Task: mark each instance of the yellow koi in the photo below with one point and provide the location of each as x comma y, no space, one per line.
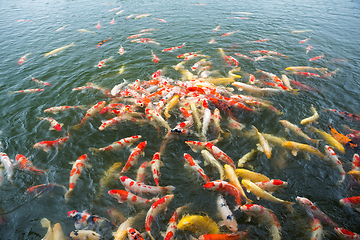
198,224
311,119
329,139
54,52
252,176
295,147
247,157
172,103
264,145
233,179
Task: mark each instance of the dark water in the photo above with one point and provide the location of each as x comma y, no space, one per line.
334,32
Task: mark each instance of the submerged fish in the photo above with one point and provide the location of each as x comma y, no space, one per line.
56,51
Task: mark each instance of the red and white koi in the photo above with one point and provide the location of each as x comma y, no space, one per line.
206,120
152,114
141,172
225,187
187,54
231,60
154,210
134,156
353,202
161,20
138,35
30,90
265,216
102,62
23,59
307,74
243,56
134,234
346,234
57,109
131,199
26,164
305,40
272,185
308,49
317,229
195,167
46,145
118,145
121,50
114,9
229,33
212,41
355,166
137,187
90,113
260,40
54,125
76,170
170,231
155,167
173,48
197,145
155,58
216,29
314,211
271,76
6,161
40,82
333,160
219,154
148,30
227,216
145,40
42,188
316,58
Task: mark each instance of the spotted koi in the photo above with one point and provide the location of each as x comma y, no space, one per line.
137,187
134,156
76,170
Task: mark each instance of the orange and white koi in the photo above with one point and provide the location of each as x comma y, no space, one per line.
57,109
317,229
219,154
172,226
40,82
353,202
154,210
209,159
229,33
308,49
98,25
230,60
216,29
131,199
263,146
46,145
134,156
102,42
265,216
305,40
155,167
296,130
148,30
142,15
102,62
30,90
111,106
141,172
224,236
42,188
137,187
316,58
333,160
314,211
157,118
26,164
341,138
118,145
227,216
114,9
260,40
155,58
145,40
212,41
54,125
270,75
195,167
90,113
272,185
173,48
76,170
134,234
346,234
6,161
23,59
225,187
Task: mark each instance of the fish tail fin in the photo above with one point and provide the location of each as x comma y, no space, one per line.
311,129
289,206
11,92
152,238
72,44
94,150
45,223
76,127
295,91
170,188
68,194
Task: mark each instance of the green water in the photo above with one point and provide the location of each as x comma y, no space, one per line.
334,32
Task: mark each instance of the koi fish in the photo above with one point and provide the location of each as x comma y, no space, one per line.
311,119
172,226
302,41
142,15
155,167
305,68
46,187
90,113
114,9
57,109
54,125
212,41
303,86
265,216
248,156
102,42
341,138
348,115
261,40
121,50
23,59
98,25
225,187
118,145
272,185
252,176
134,234
62,28
56,51
227,216
333,159
346,234
173,48
296,130
243,56
5,160
138,35
154,210
155,58
76,170
40,82
229,33
131,199
84,234
209,159
219,154
216,29
46,145
307,74
135,154
316,58
85,31
314,211
195,167
161,20
31,90
121,233
112,21
328,138
109,176
301,31
85,219
137,187
295,147
308,49
263,144
198,224
26,164
119,12
224,236
353,202
148,30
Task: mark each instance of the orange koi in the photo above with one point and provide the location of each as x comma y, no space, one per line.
341,138
102,42
225,187
346,234
98,25
316,58
225,236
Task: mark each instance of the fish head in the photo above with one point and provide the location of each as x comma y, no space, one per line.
72,213
209,185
